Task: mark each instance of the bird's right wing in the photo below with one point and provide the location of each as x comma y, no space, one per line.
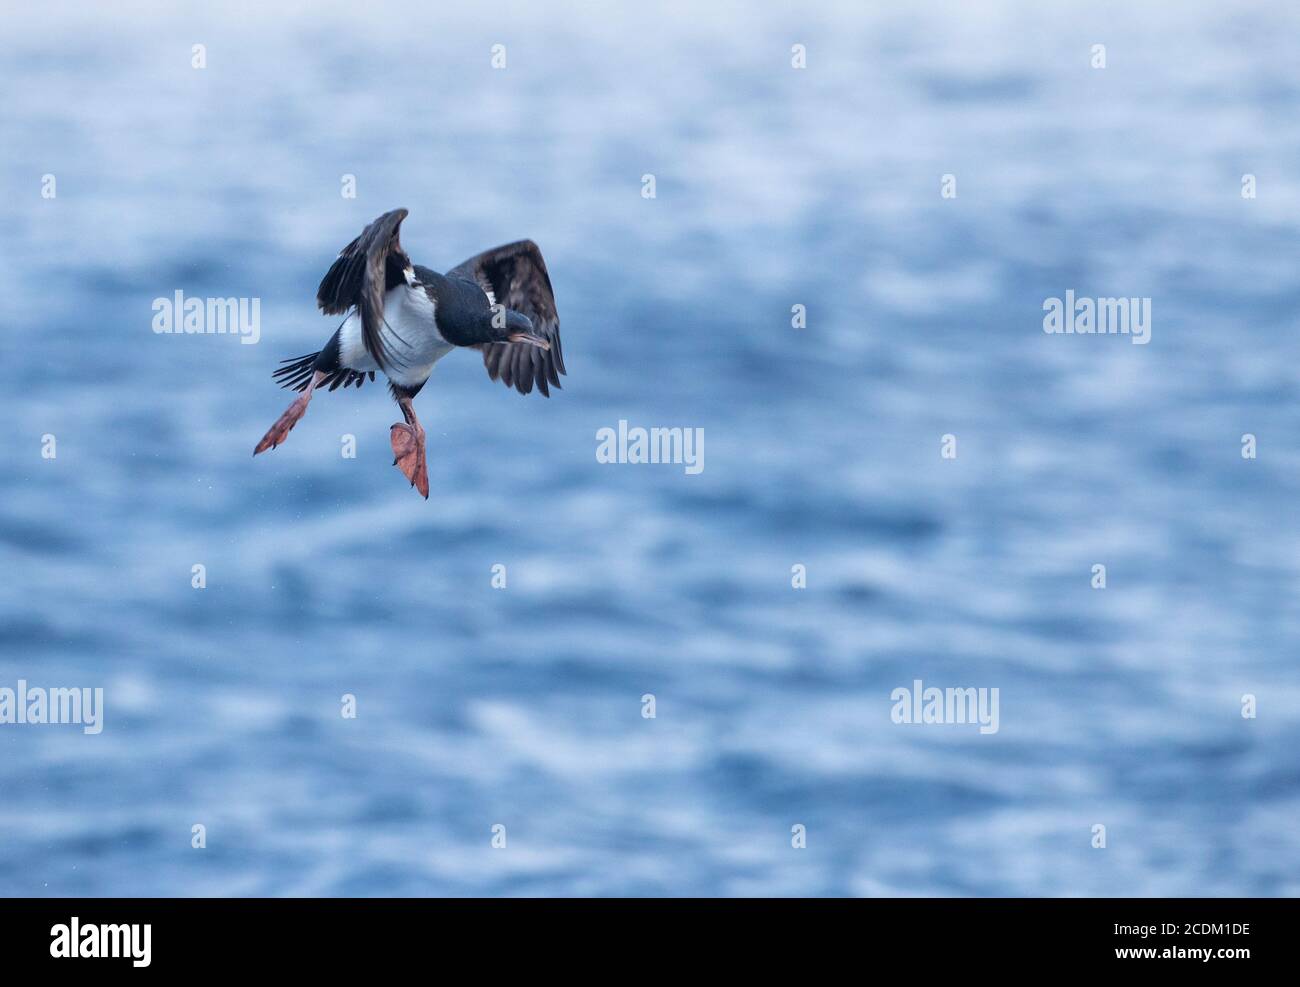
365,271
514,275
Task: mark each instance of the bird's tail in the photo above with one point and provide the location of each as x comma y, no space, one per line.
296,373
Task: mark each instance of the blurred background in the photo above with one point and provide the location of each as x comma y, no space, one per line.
521,706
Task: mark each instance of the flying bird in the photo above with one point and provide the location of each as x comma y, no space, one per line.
403,318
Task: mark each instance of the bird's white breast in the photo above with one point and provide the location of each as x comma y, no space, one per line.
410,334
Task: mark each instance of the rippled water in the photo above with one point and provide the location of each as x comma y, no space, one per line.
522,707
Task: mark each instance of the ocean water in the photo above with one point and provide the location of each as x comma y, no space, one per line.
521,707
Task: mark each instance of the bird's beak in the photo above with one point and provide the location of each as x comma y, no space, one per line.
528,337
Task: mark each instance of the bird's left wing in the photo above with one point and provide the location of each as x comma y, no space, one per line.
515,276
365,271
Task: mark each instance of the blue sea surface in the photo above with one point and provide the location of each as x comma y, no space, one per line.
522,707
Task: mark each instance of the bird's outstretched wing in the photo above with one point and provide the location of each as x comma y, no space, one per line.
365,271
515,276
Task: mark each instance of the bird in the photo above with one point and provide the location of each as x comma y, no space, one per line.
402,318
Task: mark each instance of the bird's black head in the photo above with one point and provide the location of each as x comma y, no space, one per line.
506,323
518,322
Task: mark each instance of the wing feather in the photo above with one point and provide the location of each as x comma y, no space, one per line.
515,275
364,272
